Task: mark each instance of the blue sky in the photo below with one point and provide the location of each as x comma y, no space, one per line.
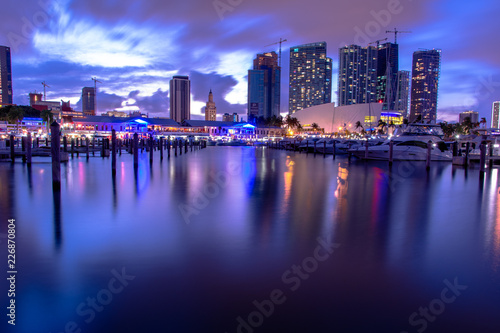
135,47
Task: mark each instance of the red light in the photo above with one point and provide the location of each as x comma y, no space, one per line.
380,101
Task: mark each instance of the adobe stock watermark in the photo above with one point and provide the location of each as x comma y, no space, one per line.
400,172
87,310
209,191
381,19
29,25
292,278
420,319
487,87
225,6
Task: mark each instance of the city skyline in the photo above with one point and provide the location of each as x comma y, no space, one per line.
67,43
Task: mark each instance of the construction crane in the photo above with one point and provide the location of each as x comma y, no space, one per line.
396,32
378,42
45,85
95,93
280,42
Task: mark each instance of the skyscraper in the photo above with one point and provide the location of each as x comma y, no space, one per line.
5,76
310,76
357,75
88,101
180,98
424,85
264,86
210,109
387,75
403,99
495,115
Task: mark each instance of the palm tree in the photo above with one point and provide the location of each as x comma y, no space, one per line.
391,125
315,127
381,125
48,117
483,121
15,115
358,125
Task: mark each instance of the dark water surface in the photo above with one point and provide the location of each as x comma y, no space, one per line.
205,242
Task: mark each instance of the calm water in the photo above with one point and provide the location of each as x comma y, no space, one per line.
202,236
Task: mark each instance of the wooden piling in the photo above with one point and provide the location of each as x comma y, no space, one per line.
482,157
87,148
391,152
72,147
324,148
28,149
161,148
56,155
12,149
136,150
23,148
186,146
168,146
366,149
151,150
429,149
334,148
93,146
466,161
113,152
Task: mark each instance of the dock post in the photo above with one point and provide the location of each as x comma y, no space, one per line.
324,148
175,147
366,149
37,142
113,152
186,146
93,146
180,147
160,145
151,150
334,148
482,157
429,149
72,147
136,150
56,155
168,146
28,149
87,143
65,144
120,146
23,148
455,148
391,152
12,149
491,154
103,148
467,147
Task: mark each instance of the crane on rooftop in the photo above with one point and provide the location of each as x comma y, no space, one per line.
396,32
45,85
281,41
378,42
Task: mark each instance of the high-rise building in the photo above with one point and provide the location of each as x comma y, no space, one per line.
35,98
310,76
472,115
424,85
88,101
403,89
210,109
5,76
495,115
264,84
357,75
180,98
387,75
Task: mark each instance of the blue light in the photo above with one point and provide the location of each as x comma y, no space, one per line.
140,121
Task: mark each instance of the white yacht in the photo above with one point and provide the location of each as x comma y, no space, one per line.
411,145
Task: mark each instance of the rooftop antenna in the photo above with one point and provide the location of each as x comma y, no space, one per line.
95,93
45,85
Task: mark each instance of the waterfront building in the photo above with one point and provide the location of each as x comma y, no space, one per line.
88,101
5,76
387,75
403,89
230,117
472,115
357,80
115,114
334,119
424,85
180,97
210,109
495,115
264,87
310,76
